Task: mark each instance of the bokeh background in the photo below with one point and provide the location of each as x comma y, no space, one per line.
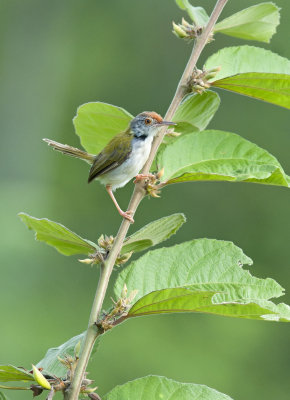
59,54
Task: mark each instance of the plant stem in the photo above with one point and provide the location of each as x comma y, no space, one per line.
138,194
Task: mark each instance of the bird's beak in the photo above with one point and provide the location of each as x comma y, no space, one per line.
167,123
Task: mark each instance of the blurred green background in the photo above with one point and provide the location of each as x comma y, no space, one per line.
59,54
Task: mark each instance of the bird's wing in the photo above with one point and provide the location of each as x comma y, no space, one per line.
113,155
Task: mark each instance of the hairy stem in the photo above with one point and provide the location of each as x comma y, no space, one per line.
138,195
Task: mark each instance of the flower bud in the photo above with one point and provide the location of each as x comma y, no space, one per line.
77,349
185,23
179,31
124,258
94,396
87,261
212,72
91,390
160,173
101,240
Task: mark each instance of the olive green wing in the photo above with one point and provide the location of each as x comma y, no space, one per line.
113,155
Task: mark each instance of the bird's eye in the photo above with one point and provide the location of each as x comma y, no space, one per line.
147,121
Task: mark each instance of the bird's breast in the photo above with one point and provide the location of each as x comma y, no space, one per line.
137,158
131,166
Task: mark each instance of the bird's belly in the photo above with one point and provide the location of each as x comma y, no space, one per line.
130,168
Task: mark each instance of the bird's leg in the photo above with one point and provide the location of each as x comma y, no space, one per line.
140,177
121,212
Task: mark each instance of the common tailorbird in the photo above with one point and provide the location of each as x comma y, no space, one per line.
123,157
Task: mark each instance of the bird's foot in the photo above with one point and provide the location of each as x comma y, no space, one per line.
140,177
127,215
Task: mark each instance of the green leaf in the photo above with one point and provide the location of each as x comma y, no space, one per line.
11,373
136,245
158,387
272,88
196,111
11,388
51,364
202,275
217,155
58,236
97,123
258,22
243,59
202,265
186,300
154,233
254,72
193,114
172,300
197,14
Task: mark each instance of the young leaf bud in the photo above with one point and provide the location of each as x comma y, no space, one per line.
179,31
160,173
77,349
185,23
124,258
91,390
87,261
212,72
94,396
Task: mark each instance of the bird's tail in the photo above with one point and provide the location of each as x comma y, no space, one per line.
71,151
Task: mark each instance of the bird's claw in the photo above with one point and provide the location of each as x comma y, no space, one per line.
127,215
140,177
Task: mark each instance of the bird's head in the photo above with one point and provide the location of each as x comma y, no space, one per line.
147,123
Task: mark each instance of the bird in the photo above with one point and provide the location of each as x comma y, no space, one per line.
123,157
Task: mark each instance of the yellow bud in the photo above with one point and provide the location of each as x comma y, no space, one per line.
40,379
185,23
199,87
101,241
160,173
212,72
87,261
90,390
124,258
211,75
